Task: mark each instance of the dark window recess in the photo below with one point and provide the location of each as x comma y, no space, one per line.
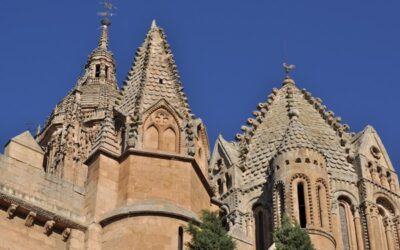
320,206
97,74
302,205
260,231
220,187
160,81
180,238
107,71
228,181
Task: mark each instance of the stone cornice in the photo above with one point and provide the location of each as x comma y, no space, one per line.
149,207
156,154
46,214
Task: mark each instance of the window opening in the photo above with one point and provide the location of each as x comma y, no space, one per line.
302,205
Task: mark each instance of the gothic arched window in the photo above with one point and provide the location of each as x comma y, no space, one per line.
161,132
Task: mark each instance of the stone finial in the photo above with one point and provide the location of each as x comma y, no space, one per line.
294,113
153,24
30,218
11,211
288,68
48,227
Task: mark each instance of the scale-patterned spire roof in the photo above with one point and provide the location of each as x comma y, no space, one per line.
153,76
291,118
295,135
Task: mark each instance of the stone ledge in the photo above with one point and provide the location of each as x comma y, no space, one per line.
149,207
322,233
59,219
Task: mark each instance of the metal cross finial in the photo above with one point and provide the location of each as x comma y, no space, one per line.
288,68
108,8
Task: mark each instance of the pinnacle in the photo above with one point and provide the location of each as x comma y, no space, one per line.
154,24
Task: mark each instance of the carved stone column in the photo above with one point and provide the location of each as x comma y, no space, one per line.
372,223
374,175
250,226
397,226
389,234
357,223
383,180
336,227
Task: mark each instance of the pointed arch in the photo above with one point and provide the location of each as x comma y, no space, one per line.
162,117
151,137
168,140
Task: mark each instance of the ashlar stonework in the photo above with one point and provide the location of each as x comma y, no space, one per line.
129,168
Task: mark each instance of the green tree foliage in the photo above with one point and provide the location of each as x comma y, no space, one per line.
291,237
210,235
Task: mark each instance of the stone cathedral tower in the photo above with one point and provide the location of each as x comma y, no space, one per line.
295,157
129,168
111,169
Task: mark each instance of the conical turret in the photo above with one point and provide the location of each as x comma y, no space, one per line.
155,104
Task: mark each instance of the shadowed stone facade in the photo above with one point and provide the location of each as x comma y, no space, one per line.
129,168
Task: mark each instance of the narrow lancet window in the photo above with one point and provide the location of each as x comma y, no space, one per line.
97,73
260,230
321,216
180,238
302,205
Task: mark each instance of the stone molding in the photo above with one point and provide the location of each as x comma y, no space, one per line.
149,207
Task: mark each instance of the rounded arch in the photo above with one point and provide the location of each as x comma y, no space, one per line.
347,195
300,188
384,202
348,237
323,204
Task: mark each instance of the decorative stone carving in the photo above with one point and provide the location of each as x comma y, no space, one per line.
66,233
30,219
48,227
375,152
11,211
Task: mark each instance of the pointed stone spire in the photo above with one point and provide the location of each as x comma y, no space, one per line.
153,77
153,24
105,24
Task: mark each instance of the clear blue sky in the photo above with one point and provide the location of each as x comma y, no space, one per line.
229,54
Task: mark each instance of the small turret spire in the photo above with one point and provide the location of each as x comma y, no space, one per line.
153,24
103,43
105,23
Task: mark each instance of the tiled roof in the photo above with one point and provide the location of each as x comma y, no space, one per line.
153,77
272,131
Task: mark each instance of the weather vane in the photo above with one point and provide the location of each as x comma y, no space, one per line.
288,68
108,8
